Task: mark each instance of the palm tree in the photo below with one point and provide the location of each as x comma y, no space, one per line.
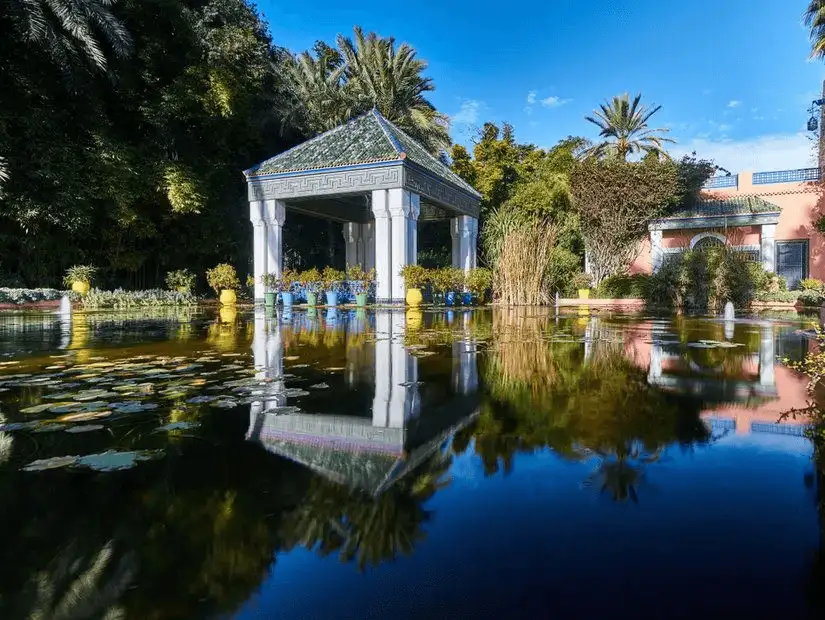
388,78
69,29
367,72
623,125
814,18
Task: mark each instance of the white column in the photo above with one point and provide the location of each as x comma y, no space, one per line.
383,247
656,252
402,206
383,370
412,229
464,231
767,357
275,215
352,239
257,217
368,242
768,238
404,401
455,234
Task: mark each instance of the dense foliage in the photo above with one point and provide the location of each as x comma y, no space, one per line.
623,127
706,279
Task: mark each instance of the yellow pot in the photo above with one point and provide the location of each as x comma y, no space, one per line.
80,287
228,297
414,318
414,297
584,293
228,314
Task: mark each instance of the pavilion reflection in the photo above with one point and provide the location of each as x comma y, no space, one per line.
373,449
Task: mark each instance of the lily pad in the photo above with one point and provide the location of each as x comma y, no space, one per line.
196,400
226,403
115,461
84,416
37,408
85,428
178,426
53,463
319,386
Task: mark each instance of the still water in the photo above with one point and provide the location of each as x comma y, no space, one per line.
479,464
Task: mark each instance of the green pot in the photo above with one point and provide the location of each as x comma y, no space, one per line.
269,299
361,300
312,299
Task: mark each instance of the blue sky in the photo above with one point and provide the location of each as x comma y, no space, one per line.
733,76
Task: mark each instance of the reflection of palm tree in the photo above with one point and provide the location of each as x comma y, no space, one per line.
79,585
621,471
368,530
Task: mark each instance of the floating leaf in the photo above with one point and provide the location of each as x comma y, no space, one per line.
37,408
83,416
177,426
319,386
115,461
85,428
53,463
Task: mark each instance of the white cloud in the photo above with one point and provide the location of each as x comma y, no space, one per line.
554,102
468,113
734,103
760,154
531,97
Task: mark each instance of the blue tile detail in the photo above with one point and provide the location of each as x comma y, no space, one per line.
725,181
786,176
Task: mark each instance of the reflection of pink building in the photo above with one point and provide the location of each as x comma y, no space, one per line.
753,401
770,215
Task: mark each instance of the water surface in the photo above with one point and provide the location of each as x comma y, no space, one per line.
344,464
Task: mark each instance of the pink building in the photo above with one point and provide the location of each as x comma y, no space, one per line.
770,215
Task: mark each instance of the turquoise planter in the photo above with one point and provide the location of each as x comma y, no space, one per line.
361,300
287,299
269,299
312,299
332,298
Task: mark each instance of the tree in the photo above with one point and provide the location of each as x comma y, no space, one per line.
814,18
68,29
330,86
624,127
615,200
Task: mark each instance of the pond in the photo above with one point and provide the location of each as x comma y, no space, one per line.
507,463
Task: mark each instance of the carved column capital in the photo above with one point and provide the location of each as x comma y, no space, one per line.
275,212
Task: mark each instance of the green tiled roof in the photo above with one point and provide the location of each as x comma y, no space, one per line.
738,205
366,139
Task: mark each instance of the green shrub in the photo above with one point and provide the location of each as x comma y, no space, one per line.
562,265
28,295
180,279
810,297
623,286
777,296
416,276
479,281
581,280
812,284
119,299
706,279
222,276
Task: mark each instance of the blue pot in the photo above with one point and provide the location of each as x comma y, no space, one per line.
467,299
449,298
332,298
287,299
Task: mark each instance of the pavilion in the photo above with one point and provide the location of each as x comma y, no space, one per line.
378,182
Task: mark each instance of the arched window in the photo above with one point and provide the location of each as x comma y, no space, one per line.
708,243
707,240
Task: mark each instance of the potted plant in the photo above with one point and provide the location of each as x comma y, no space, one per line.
272,284
180,280
79,278
285,283
223,280
360,281
479,281
453,283
331,279
311,281
582,282
415,277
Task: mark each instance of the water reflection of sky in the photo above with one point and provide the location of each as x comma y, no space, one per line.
563,466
